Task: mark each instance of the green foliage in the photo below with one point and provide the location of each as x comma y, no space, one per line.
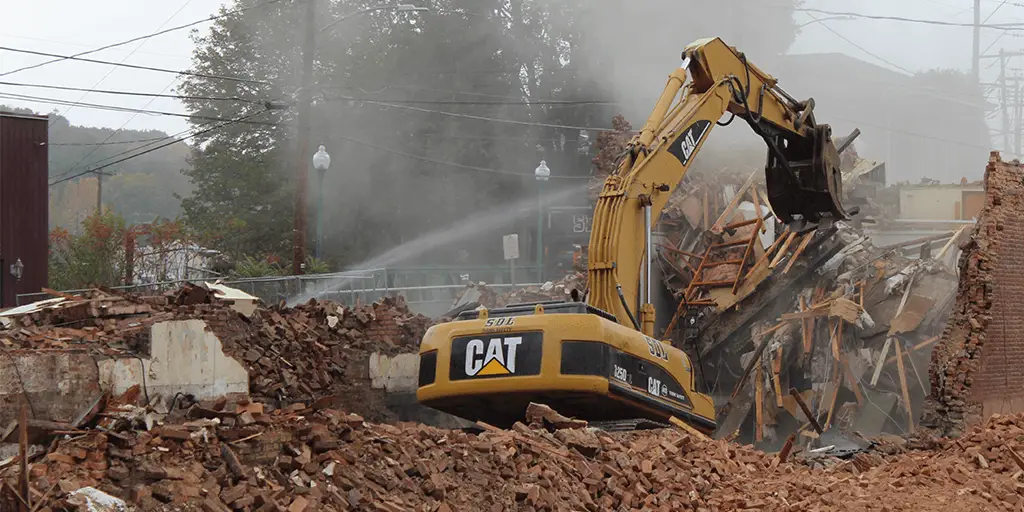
94,257
378,194
249,266
316,266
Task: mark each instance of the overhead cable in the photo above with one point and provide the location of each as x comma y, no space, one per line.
76,56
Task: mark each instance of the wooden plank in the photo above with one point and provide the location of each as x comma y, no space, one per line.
777,378
787,448
729,210
688,428
679,251
915,348
903,386
1017,459
799,250
771,248
945,248
782,252
24,487
759,403
757,206
854,385
807,412
746,256
807,326
833,338
881,359
836,382
740,224
810,313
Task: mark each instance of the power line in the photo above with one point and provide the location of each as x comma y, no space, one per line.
859,47
132,93
452,164
115,108
136,141
175,141
994,11
133,66
1016,27
125,59
484,118
59,58
529,103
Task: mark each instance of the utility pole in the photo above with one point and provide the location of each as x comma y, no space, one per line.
99,192
302,147
1004,101
976,53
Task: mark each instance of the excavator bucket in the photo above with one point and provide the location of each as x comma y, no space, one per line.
803,177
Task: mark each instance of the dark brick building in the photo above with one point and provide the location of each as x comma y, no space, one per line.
24,201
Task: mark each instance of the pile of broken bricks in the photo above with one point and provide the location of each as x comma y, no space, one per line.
304,458
292,354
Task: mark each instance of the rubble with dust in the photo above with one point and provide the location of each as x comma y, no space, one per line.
304,458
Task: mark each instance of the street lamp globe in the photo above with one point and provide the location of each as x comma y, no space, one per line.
542,172
321,160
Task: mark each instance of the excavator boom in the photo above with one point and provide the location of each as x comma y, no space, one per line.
598,360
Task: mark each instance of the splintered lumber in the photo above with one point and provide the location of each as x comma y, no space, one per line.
903,386
881,359
915,348
787,448
758,404
805,330
799,250
780,238
776,377
807,411
836,382
727,213
746,256
834,339
782,251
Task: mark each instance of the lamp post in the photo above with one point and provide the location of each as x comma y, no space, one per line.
321,162
305,106
542,173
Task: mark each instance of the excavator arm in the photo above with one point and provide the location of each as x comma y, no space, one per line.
802,170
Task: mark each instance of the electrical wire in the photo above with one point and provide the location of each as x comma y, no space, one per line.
175,141
132,93
451,164
134,66
446,102
484,118
1016,27
136,141
125,59
115,108
859,47
76,56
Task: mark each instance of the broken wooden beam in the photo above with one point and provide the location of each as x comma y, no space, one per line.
782,251
799,250
807,411
903,387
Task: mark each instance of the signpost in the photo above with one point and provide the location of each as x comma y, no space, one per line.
510,245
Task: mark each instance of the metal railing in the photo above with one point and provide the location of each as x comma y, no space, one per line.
349,288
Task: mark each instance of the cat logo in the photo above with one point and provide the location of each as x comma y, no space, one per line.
689,140
495,357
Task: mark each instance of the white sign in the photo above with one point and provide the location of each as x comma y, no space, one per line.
510,243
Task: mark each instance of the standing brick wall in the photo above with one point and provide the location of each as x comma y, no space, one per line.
978,367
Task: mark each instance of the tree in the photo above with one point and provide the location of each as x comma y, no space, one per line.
405,103
94,257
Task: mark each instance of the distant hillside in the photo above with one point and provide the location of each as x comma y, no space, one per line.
141,189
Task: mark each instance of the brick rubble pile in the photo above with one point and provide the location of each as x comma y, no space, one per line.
303,459
292,354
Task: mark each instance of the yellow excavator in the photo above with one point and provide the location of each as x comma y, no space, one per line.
597,359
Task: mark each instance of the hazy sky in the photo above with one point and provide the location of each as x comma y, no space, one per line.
70,26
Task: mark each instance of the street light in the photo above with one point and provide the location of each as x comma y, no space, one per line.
542,173
321,162
396,8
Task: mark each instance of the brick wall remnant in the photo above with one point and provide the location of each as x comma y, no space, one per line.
977,368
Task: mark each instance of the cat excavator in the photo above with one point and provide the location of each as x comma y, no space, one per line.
597,359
